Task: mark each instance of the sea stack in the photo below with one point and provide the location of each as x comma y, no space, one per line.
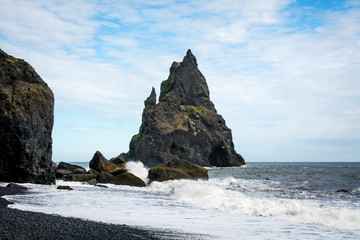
184,124
26,121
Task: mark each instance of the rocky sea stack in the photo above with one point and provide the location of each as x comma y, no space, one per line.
184,124
26,121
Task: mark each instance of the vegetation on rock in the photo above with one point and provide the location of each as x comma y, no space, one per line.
184,123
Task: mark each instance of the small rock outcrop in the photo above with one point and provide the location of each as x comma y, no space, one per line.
64,187
177,169
184,124
64,169
111,171
71,167
92,182
121,179
14,185
26,121
100,163
84,177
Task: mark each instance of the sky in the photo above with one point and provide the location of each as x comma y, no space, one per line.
284,74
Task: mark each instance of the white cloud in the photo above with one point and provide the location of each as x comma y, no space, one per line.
91,130
270,78
44,26
252,11
116,40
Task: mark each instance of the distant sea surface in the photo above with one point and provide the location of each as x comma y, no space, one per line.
257,201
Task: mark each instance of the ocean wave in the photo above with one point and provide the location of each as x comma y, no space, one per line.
356,190
233,167
214,195
232,195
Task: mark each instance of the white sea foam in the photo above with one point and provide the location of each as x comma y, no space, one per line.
138,169
190,206
213,195
226,207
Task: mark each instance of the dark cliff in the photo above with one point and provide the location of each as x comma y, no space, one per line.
184,124
26,121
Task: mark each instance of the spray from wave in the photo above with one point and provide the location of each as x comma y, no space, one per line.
214,195
138,169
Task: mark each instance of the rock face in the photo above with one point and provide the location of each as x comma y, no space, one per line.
100,163
26,121
71,167
83,177
119,160
120,179
177,169
184,124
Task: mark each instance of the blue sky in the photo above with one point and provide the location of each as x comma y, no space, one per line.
283,73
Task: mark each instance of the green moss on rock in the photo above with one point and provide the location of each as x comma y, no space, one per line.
166,87
151,110
195,109
11,60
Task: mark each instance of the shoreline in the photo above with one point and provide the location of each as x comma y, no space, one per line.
18,224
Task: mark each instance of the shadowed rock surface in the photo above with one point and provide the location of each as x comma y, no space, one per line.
71,167
119,160
79,177
14,185
124,178
26,121
65,169
64,187
184,125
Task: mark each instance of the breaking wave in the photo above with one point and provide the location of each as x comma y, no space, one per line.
214,194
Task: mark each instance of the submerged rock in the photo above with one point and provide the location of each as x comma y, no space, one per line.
184,125
14,185
64,187
177,169
92,182
26,121
342,191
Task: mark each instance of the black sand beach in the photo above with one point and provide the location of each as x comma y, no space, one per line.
16,224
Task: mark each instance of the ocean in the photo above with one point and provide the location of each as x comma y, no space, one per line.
256,201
